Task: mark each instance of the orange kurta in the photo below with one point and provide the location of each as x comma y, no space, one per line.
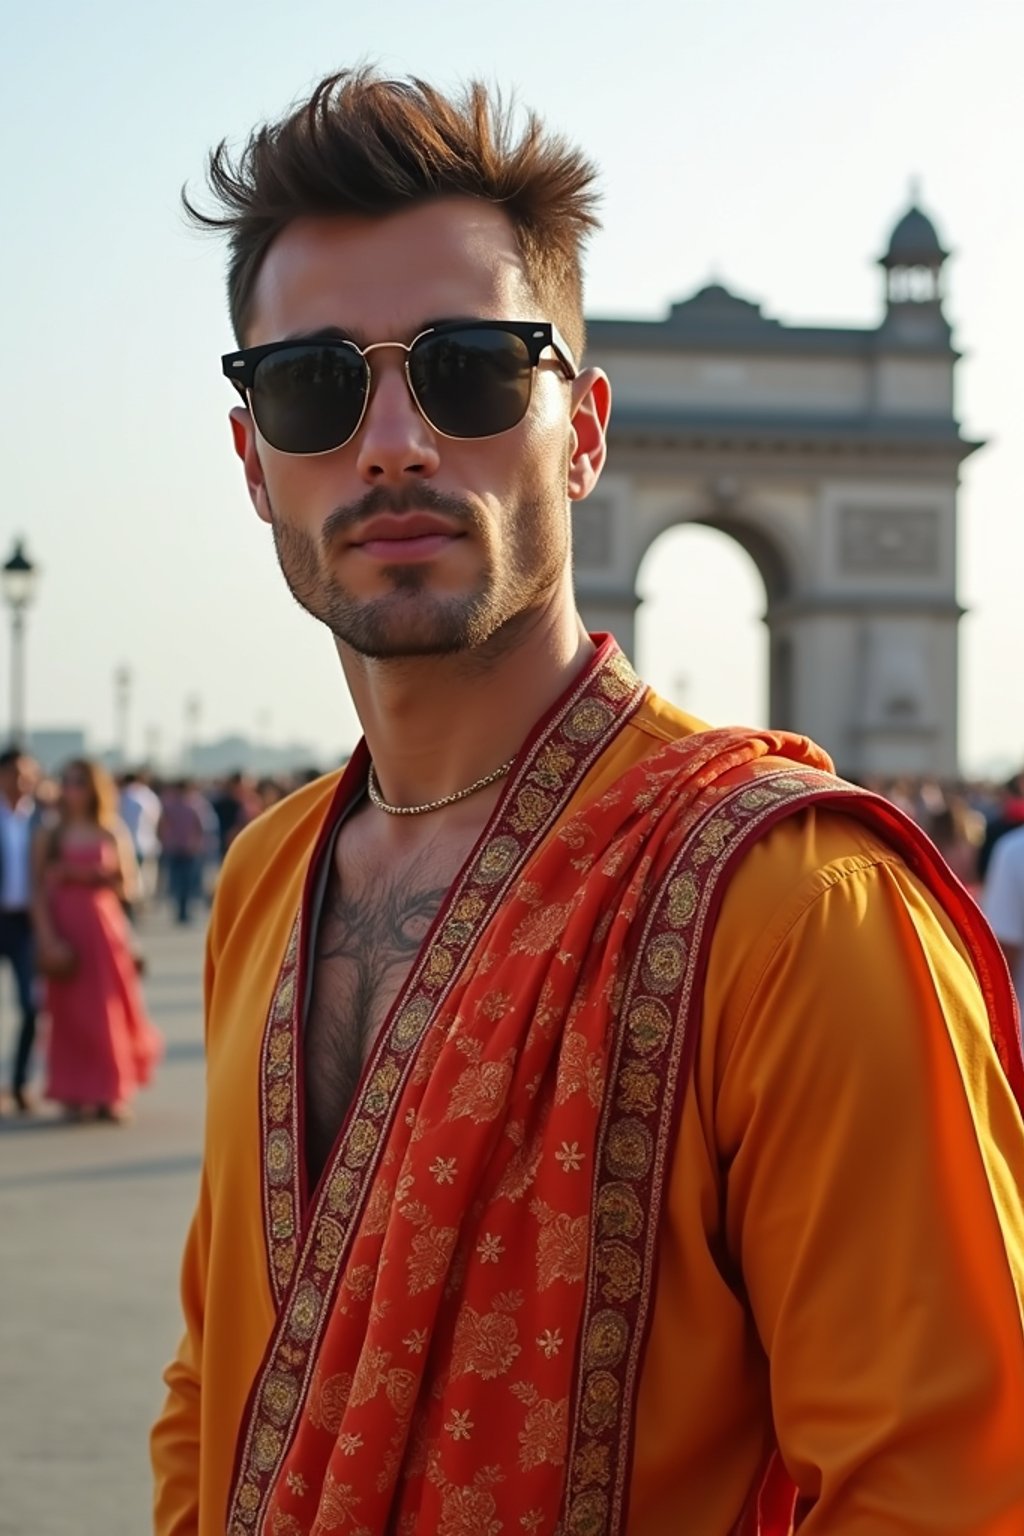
844,1200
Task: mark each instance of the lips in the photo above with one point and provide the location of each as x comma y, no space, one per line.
410,536
405,526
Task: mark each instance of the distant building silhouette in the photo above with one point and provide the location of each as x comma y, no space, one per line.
212,759
54,746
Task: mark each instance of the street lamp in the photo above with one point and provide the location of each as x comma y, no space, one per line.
122,704
193,712
18,578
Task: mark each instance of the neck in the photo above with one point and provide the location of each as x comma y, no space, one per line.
435,724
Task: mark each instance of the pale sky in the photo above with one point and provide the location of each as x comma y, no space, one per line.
769,144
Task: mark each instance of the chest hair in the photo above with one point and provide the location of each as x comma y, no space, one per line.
373,923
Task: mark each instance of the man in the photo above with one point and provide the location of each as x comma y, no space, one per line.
598,1104
140,810
234,806
1006,815
187,830
18,775
1003,900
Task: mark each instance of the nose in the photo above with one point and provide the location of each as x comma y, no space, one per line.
394,440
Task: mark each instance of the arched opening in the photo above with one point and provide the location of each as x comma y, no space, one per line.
701,640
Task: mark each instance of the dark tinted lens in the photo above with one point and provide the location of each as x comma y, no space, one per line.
471,383
309,398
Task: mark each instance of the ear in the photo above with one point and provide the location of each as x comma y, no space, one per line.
591,408
243,431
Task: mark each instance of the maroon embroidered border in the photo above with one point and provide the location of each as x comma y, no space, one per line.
279,1112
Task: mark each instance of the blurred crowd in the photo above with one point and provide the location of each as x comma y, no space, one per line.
182,828
83,857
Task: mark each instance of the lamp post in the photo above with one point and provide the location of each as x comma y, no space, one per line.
193,712
122,704
18,578
152,752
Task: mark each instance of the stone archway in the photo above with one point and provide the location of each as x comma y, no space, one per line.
611,544
700,631
832,456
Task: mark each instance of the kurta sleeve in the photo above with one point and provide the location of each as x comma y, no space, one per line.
874,1164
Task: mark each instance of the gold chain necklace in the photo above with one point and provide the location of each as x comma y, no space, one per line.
377,799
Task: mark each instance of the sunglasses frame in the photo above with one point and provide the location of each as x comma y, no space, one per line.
240,367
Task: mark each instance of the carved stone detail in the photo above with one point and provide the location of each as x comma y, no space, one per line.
878,541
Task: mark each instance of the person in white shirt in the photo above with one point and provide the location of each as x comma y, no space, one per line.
18,775
1003,901
140,809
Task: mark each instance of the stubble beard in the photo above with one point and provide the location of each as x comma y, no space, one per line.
410,620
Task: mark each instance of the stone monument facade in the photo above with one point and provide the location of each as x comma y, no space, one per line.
832,456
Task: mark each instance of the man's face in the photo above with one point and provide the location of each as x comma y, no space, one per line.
18,779
501,503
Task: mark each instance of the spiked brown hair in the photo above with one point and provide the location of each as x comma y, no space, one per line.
365,145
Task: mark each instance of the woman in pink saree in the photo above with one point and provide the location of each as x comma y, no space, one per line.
102,1045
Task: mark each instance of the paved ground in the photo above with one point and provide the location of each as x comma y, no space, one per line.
92,1220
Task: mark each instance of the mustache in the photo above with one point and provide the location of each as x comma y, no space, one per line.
382,498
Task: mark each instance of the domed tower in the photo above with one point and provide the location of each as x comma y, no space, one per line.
913,267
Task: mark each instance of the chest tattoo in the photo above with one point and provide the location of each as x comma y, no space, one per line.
371,930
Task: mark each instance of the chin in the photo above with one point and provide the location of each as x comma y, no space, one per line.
395,628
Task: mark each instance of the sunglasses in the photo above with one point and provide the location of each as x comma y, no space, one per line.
467,378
